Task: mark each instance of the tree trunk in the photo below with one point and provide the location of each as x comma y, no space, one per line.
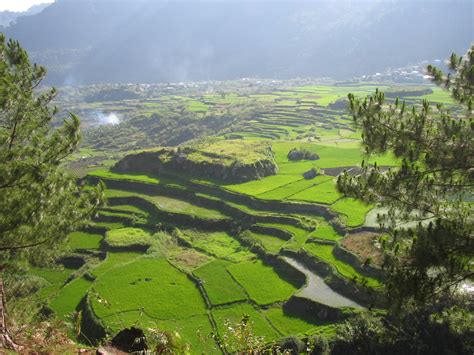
6,341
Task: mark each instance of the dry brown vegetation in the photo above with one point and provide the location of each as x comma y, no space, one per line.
364,245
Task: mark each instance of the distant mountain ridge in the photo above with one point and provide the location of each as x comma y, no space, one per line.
98,41
8,17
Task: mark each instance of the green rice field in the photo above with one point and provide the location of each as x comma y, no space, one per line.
214,253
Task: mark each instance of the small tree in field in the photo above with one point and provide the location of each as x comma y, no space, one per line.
432,188
39,203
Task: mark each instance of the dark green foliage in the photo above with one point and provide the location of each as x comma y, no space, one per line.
320,345
291,345
449,332
302,154
39,203
310,174
433,186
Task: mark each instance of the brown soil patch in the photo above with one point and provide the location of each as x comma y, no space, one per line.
364,245
188,259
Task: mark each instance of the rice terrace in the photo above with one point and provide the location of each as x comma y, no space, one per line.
237,216
236,177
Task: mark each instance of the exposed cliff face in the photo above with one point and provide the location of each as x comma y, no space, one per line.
150,162
201,163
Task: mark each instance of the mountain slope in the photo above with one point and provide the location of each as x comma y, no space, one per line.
92,41
8,17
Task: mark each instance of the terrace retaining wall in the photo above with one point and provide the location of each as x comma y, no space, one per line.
308,310
222,206
92,328
279,233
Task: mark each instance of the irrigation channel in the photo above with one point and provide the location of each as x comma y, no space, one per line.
317,290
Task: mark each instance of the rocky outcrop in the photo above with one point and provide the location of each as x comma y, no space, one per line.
211,166
296,154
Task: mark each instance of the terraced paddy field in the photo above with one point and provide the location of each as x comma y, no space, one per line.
181,252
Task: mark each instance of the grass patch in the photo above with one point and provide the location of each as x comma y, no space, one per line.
325,231
269,242
219,285
354,210
325,252
129,209
55,278
325,192
262,282
110,225
287,191
107,174
227,152
218,244
114,259
181,206
288,325
235,313
128,238
268,183
69,297
300,236
151,285
83,240
196,106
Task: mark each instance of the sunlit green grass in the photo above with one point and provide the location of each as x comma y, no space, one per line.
269,242
300,235
261,281
128,237
150,285
69,296
289,325
325,231
182,206
234,315
219,285
289,190
114,259
325,252
105,173
218,244
130,209
354,210
325,192
55,277
83,240
257,187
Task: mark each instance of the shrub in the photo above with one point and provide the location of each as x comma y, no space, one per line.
291,345
319,345
310,174
303,154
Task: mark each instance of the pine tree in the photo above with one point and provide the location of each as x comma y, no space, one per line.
432,188
39,202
